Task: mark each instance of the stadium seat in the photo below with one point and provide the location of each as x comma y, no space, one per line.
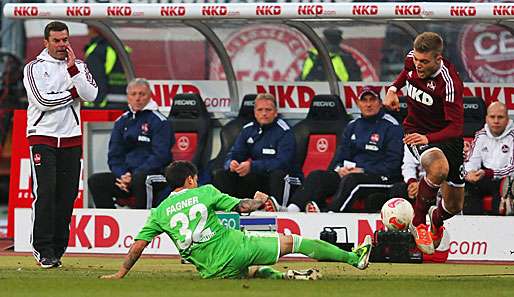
318,135
474,115
193,134
231,130
474,120
193,140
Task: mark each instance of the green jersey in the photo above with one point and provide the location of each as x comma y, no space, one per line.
188,217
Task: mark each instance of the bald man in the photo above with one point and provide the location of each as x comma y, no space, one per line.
489,159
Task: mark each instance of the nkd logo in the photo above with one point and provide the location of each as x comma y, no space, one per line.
212,10
463,11
419,95
78,11
365,10
310,9
268,10
25,11
173,11
503,10
119,11
407,10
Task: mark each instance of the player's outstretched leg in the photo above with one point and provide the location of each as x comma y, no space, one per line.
436,166
324,251
427,192
436,230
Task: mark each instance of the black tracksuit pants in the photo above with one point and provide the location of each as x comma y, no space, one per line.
321,184
271,183
103,189
55,184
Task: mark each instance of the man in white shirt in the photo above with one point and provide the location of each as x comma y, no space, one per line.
56,83
489,159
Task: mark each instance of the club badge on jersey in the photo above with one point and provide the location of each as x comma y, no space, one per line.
431,85
37,159
145,127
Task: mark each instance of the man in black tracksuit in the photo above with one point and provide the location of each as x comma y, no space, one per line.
55,82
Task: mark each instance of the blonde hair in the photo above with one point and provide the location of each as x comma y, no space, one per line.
429,42
267,96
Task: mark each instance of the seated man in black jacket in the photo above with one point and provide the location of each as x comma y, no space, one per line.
140,145
368,160
262,155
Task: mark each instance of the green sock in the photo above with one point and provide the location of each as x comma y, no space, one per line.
322,250
268,272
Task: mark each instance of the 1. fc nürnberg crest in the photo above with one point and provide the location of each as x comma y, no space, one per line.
487,52
274,53
263,53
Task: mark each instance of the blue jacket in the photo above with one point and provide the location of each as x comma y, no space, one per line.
270,147
375,144
141,142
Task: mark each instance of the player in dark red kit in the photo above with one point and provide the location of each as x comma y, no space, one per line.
433,134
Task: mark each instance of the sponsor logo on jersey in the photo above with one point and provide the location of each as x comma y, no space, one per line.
419,95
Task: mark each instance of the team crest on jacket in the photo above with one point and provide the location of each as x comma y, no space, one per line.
431,85
505,148
145,127
37,159
374,137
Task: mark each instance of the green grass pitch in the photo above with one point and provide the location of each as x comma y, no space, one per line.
151,276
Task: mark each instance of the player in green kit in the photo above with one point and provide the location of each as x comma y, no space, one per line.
188,217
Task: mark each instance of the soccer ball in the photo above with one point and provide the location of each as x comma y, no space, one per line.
397,214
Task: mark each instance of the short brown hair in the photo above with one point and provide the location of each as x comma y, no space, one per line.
429,42
267,96
56,27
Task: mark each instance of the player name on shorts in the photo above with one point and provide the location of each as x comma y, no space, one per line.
181,205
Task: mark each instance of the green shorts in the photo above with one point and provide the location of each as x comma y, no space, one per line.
254,248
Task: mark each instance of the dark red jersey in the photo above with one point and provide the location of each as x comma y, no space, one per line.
434,104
